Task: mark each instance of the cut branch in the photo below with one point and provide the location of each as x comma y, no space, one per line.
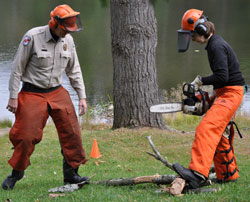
175,183
155,179
157,154
176,187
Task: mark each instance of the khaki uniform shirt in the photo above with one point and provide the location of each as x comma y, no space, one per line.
41,61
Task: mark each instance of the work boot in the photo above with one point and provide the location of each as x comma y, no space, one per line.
71,175
11,180
189,176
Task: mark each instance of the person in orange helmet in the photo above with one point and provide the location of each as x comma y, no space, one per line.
43,55
215,133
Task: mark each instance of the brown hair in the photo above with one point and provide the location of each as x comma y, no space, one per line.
210,28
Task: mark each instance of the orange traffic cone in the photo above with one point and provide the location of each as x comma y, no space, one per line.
95,150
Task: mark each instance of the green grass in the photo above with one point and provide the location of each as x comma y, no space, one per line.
124,155
182,122
6,123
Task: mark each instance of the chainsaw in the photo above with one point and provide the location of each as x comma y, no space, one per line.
197,102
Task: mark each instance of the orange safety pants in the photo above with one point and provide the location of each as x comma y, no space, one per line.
210,130
31,117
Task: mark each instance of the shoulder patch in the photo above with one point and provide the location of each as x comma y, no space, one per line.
26,40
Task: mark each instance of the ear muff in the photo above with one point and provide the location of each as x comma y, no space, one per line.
52,23
199,27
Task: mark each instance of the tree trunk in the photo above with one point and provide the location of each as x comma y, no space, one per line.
134,41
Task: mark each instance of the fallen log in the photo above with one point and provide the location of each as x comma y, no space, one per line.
155,179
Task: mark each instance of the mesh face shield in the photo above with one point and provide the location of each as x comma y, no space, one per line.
71,24
184,37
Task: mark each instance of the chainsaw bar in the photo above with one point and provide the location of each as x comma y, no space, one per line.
170,107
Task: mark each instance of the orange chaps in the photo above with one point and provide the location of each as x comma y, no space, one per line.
224,161
31,117
209,143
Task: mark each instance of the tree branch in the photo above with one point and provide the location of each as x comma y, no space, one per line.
175,183
157,154
155,179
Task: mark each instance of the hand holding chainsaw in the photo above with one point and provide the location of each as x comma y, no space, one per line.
197,82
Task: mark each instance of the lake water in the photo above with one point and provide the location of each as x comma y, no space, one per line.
231,19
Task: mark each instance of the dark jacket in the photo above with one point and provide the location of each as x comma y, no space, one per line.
224,64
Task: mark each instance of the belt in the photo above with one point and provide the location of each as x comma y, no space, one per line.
28,87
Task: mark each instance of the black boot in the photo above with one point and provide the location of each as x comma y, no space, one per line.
11,180
71,175
189,176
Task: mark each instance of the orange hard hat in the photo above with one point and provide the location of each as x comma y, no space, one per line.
66,18
63,11
189,19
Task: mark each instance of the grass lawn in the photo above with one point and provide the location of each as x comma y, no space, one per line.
124,155
5,123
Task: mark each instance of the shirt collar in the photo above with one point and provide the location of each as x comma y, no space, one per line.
48,35
209,41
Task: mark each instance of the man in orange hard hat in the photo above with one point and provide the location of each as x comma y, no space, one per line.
43,55
215,133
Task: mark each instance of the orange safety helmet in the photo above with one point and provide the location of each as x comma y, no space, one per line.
189,19
191,22
66,18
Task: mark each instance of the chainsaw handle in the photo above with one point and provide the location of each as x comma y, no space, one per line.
188,89
203,101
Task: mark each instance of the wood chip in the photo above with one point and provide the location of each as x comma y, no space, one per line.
176,187
55,195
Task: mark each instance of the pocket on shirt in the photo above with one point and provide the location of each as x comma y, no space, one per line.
64,58
43,59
